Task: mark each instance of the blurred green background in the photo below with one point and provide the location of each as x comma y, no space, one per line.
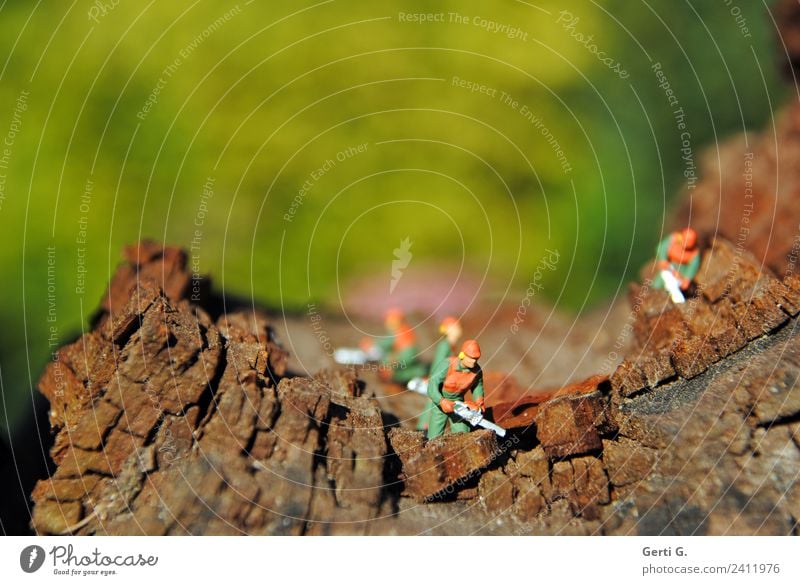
147,102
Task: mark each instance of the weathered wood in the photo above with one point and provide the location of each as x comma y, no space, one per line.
170,422
448,462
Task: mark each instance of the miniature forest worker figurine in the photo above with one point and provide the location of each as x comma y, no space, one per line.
451,381
678,261
447,347
400,362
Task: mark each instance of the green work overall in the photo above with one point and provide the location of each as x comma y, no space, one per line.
436,391
443,351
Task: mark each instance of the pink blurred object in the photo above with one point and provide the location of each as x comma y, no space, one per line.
425,290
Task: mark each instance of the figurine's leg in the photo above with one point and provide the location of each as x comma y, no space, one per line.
403,373
437,422
424,419
459,426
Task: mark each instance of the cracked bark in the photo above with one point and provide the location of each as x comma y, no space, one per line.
168,421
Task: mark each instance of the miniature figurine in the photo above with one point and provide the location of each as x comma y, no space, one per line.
449,383
397,350
450,329
678,261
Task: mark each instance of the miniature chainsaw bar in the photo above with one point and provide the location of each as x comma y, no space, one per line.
476,418
473,417
673,287
350,356
418,385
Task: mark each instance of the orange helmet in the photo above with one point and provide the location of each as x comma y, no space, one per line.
471,349
394,316
446,323
689,237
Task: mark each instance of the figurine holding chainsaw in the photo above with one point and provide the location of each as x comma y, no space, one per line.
451,331
448,386
678,261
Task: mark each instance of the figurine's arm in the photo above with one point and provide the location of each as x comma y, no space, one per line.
477,390
385,344
662,255
694,267
442,352
436,380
